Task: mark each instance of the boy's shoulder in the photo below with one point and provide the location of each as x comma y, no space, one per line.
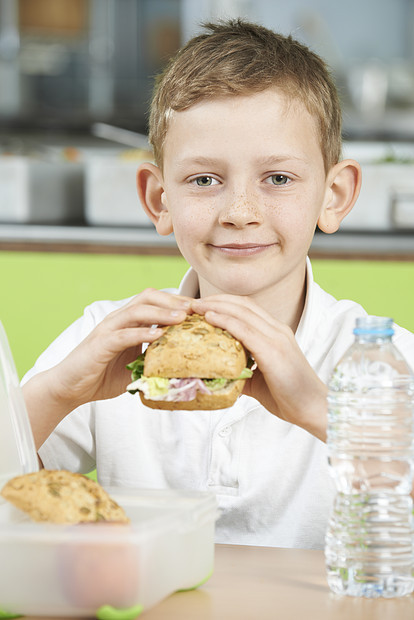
332,320
327,322
325,317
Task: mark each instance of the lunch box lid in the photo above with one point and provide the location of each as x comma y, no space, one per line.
17,448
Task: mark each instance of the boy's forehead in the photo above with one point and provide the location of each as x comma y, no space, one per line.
269,104
264,112
272,98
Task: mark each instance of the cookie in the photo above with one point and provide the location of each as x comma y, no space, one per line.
62,497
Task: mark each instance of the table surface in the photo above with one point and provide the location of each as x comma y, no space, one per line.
261,583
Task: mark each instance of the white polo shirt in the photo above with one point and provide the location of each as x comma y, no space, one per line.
271,478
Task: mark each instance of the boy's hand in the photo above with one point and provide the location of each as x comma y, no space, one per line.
96,368
284,381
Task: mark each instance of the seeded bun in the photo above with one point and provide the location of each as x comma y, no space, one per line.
195,348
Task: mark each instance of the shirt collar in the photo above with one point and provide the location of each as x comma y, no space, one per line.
301,330
189,287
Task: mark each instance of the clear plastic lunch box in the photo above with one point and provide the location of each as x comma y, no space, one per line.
110,571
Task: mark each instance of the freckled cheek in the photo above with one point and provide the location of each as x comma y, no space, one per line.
296,219
190,223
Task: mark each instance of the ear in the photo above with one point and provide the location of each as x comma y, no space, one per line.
150,187
343,185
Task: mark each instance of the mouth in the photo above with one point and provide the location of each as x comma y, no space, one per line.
242,249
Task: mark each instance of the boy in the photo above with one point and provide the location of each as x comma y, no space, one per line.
246,130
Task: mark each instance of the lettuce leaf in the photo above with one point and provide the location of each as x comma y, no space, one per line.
137,367
220,383
215,384
246,373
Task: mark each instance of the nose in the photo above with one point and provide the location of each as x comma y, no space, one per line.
240,211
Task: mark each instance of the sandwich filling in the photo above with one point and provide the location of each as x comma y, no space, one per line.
174,389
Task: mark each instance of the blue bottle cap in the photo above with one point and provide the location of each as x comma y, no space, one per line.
374,326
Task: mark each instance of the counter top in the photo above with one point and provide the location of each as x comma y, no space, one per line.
145,240
268,583
123,240
369,246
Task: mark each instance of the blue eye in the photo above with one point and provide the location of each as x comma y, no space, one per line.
279,179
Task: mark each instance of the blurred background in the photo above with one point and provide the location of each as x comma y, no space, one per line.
76,78
65,64
75,82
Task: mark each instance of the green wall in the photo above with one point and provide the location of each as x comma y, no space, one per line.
384,288
44,292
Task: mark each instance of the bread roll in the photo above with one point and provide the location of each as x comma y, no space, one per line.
62,497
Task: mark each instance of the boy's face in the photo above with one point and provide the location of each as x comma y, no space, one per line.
244,184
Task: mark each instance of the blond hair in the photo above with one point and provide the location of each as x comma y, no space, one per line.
239,58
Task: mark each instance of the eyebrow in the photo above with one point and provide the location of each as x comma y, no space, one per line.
199,161
269,160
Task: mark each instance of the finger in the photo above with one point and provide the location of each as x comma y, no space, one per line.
162,299
224,304
151,307
222,309
119,341
270,344
248,332
248,318
142,315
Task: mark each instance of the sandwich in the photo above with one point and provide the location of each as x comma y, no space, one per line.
193,365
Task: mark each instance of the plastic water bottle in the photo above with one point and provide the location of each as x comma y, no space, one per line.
369,541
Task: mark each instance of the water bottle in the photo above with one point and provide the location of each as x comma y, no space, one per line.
370,440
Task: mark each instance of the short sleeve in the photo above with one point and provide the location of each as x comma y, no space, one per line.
72,443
